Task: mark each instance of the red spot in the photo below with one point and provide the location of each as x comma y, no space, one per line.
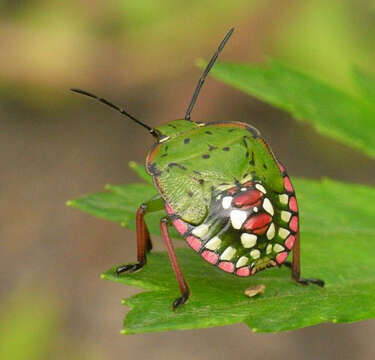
258,221
294,224
293,204
168,209
226,266
194,243
232,191
280,258
290,242
210,256
288,185
245,271
180,226
261,230
282,168
248,198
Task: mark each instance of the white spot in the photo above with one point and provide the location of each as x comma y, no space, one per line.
242,261
243,189
269,249
201,124
228,253
214,243
224,187
278,248
255,209
268,206
164,139
248,240
286,215
284,199
200,230
246,179
237,217
227,201
261,188
218,197
271,232
255,254
283,233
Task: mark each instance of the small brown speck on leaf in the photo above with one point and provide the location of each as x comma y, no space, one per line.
255,290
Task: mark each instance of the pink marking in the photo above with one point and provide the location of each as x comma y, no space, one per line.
168,209
282,168
194,243
232,191
226,266
280,258
288,185
210,256
245,271
293,204
294,224
248,198
257,221
290,242
180,226
248,184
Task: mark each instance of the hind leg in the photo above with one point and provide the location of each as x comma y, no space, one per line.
296,267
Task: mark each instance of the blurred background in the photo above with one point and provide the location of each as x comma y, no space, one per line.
55,146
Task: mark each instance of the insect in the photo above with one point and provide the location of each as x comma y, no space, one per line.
224,191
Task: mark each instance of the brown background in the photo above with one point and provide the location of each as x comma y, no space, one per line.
55,146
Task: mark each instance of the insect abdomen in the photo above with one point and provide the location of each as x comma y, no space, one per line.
248,228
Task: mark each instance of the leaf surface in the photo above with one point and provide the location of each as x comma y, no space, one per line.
338,237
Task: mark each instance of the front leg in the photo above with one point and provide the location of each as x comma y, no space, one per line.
144,244
296,267
175,265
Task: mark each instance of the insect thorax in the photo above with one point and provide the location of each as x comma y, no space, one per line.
194,160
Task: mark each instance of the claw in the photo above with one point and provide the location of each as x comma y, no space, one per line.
130,267
181,300
311,281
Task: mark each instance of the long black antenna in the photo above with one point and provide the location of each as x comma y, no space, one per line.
152,131
205,73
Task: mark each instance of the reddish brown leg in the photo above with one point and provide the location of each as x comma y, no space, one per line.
296,266
176,267
143,243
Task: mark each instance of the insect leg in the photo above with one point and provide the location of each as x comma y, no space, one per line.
175,265
144,244
296,267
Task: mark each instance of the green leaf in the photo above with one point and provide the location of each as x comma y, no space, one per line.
120,203
365,82
338,234
335,113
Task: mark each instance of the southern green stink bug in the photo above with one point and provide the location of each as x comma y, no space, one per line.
224,191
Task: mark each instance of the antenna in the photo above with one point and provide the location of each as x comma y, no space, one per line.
152,131
205,73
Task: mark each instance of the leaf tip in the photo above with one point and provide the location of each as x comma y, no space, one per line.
123,332
69,203
132,164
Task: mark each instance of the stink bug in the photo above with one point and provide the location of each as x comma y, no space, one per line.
223,190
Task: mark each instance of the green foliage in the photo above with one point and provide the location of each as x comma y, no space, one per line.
347,118
336,246
337,227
